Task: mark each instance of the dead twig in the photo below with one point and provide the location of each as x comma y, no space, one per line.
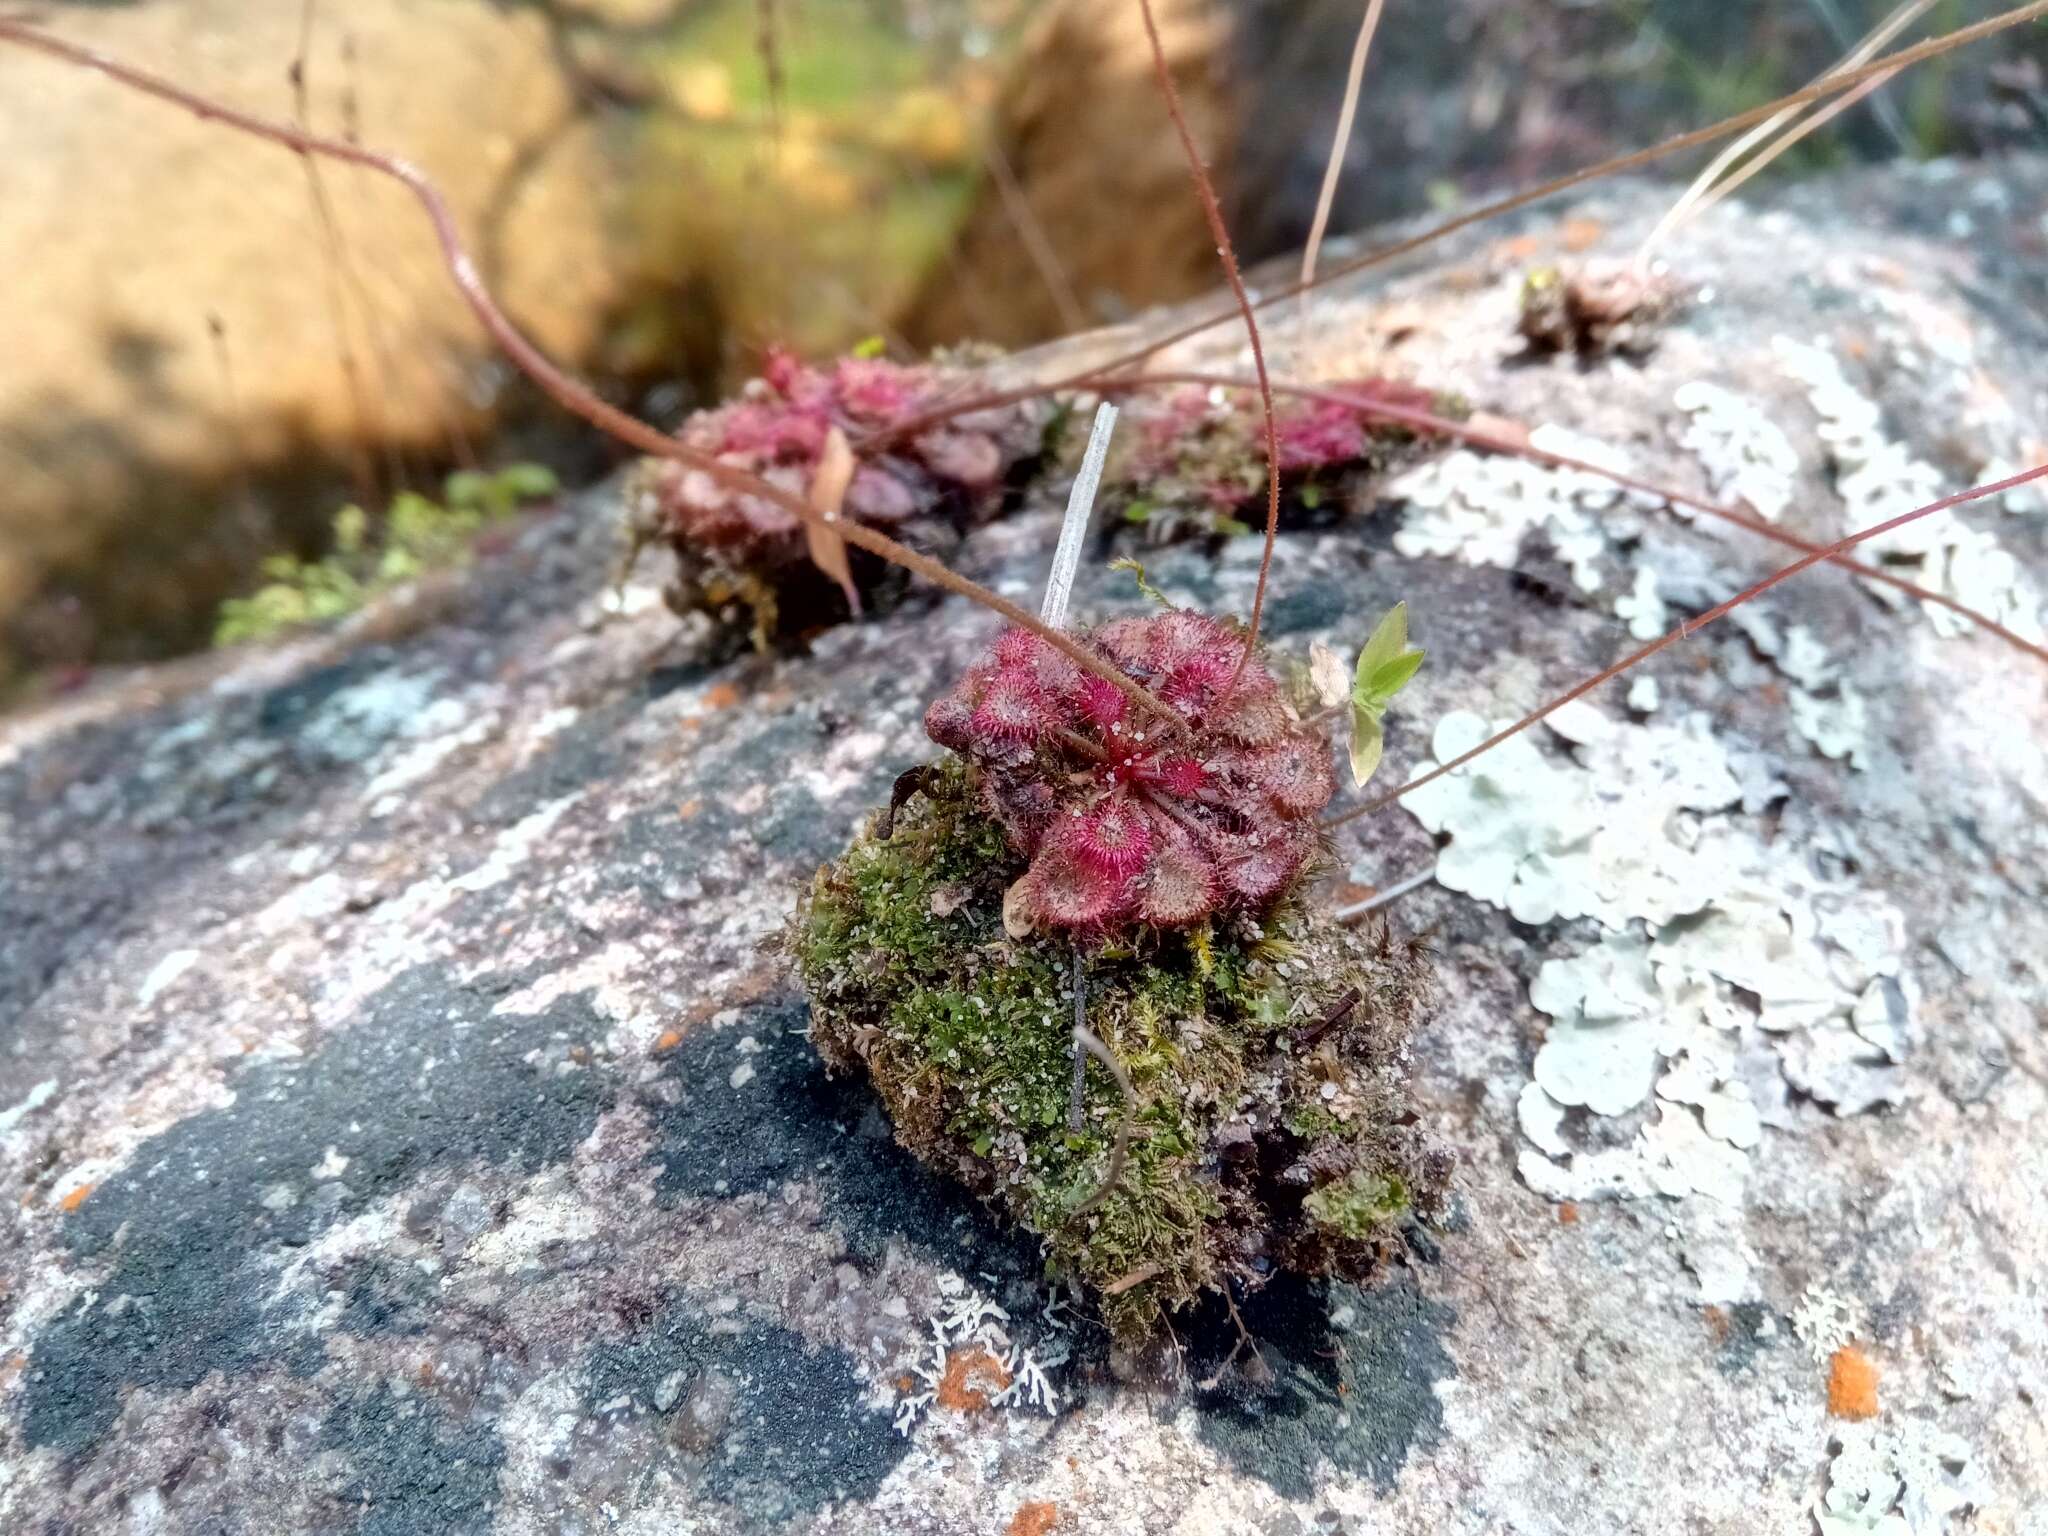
911,781
1119,1153
1333,171
1334,1015
1137,1277
1244,1341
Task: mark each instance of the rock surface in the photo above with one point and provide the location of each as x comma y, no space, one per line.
403,1130
149,463
1464,100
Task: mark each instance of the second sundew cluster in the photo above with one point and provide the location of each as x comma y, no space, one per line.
1126,818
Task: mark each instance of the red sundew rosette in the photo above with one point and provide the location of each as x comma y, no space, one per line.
777,430
1123,820
1206,443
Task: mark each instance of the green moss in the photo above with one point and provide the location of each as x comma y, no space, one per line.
1358,1204
965,1032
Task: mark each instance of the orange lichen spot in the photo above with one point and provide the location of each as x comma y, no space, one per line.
1034,1519
1852,1384
689,808
973,1376
667,1041
721,696
1718,1323
905,1382
1568,1214
426,1373
1580,234
75,1199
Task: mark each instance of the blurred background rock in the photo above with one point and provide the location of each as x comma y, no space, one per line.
208,346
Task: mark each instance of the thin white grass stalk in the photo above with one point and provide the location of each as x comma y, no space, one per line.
1037,244
1066,559
1380,899
1886,30
1820,119
1333,171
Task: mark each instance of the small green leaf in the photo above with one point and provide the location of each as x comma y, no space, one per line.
1230,527
1389,640
351,528
1367,744
466,488
1311,496
528,482
870,347
1393,677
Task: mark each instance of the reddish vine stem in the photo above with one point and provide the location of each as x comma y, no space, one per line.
565,391
1227,254
1686,629
1096,373
1426,421
1444,426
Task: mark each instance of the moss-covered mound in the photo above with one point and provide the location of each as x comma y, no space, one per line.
1271,1127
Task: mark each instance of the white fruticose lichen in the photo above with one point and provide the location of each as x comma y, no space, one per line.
911,1407
1903,1479
1028,1386
969,1314
1879,478
1728,965
966,1317
1745,454
1825,1320
1478,507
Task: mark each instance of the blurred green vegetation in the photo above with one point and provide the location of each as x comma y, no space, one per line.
796,193
416,535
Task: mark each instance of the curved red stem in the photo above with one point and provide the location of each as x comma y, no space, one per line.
1213,211
1426,421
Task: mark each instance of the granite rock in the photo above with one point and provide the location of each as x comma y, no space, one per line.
403,1128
